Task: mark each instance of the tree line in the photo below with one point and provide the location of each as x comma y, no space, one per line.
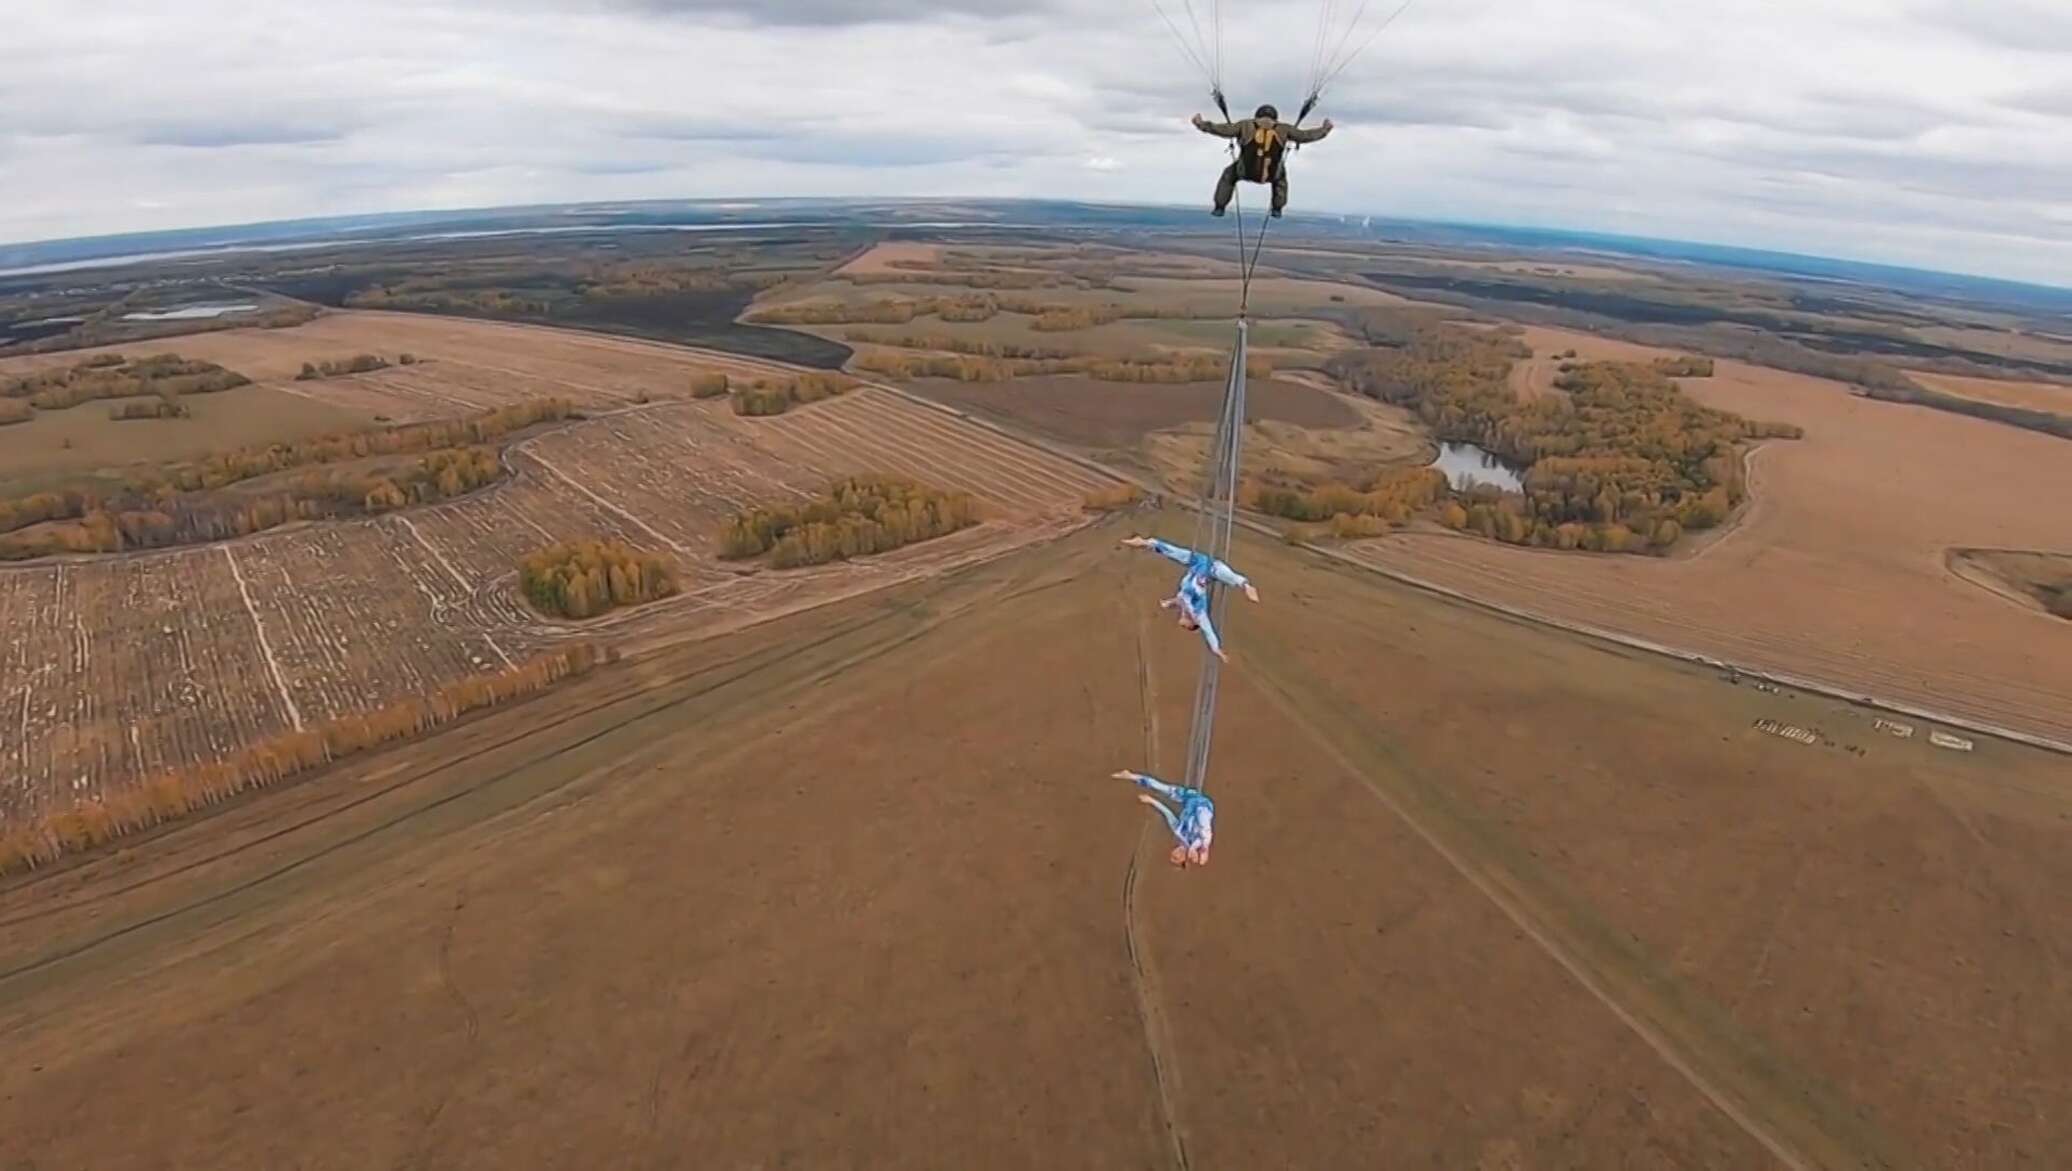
178,792
581,579
357,364
1177,368
774,397
183,503
855,517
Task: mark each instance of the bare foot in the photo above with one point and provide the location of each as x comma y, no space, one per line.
1123,775
1251,591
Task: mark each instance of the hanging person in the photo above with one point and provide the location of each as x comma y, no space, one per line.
1192,596
1262,144
1193,826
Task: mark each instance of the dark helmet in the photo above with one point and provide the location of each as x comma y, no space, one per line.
1267,112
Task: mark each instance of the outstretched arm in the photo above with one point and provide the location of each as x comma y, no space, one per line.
1219,129
1298,134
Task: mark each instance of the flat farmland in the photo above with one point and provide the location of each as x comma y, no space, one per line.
1120,414
616,924
117,667
1837,572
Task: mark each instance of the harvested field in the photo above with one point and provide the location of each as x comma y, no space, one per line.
1836,572
122,665
890,257
2035,396
1434,934
1120,414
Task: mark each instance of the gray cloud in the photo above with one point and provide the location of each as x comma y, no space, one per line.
1932,133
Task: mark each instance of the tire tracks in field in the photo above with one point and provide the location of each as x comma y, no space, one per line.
1165,1069
1796,1132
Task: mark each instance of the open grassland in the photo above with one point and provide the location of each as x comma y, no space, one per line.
620,921
1836,572
2035,396
119,667
83,444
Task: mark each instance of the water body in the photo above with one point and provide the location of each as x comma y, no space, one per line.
192,312
1467,465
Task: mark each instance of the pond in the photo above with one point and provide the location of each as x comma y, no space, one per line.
1467,465
191,312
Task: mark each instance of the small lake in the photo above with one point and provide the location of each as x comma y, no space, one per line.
1467,465
190,312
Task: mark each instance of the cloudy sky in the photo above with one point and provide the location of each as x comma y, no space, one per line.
1929,132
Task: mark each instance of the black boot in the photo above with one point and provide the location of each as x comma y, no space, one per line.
1215,211
1276,213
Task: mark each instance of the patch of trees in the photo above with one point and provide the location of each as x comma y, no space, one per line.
878,312
1112,499
185,503
1623,462
109,376
581,579
1173,369
357,364
1385,501
172,794
946,343
977,279
1685,366
710,385
156,408
855,517
765,397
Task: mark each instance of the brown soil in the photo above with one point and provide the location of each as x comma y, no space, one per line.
1119,414
647,921
1836,572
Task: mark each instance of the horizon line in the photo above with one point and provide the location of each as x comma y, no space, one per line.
1324,213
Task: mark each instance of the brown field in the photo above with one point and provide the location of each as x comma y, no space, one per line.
890,256
83,441
2036,396
648,920
1116,414
1836,573
116,667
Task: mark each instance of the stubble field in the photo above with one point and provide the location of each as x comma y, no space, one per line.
122,666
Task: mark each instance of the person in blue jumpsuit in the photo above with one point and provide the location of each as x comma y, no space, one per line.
1194,826
1192,598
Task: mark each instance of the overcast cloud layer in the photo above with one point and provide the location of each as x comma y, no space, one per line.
1928,132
